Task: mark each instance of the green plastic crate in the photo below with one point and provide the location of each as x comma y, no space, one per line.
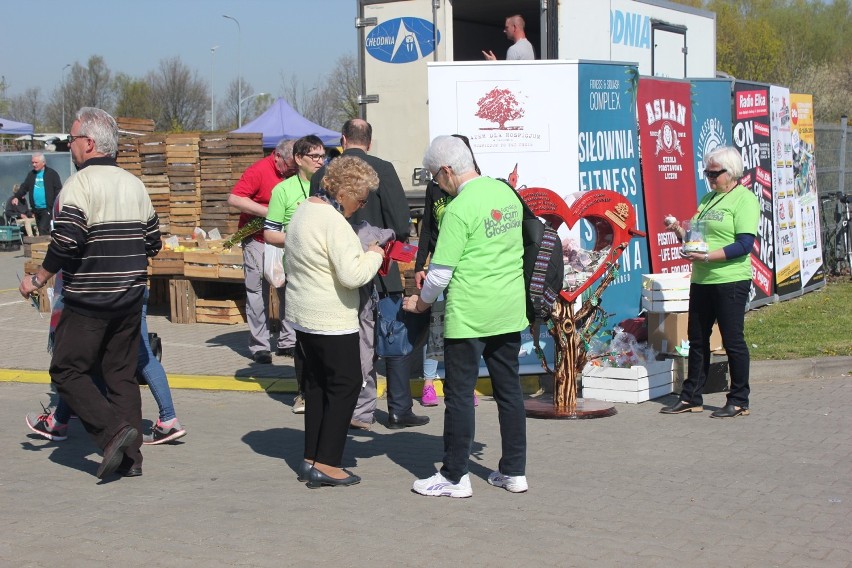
10,233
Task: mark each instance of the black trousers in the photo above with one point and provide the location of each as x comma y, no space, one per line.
84,344
331,373
42,217
725,303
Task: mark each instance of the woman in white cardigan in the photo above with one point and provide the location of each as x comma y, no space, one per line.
326,265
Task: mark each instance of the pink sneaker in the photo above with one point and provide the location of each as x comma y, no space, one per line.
475,399
429,397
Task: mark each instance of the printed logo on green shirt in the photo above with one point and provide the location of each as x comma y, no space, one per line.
502,220
439,207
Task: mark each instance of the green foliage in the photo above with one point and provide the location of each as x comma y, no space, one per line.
134,98
814,325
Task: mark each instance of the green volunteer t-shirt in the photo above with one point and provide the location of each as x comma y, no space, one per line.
481,239
286,196
724,215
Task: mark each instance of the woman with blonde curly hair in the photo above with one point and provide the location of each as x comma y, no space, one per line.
326,265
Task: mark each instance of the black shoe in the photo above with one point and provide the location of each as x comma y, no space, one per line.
114,450
729,411
316,479
262,357
286,352
407,420
304,471
681,407
130,472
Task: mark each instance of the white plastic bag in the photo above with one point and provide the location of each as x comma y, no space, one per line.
273,265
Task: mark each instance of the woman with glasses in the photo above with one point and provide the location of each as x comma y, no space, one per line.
721,281
309,156
326,264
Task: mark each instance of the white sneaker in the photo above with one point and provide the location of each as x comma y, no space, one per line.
512,483
299,405
440,486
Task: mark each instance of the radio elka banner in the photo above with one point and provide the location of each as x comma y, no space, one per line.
751,137
788,278
668,174
805,183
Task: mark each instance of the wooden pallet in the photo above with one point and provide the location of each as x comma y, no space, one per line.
227,312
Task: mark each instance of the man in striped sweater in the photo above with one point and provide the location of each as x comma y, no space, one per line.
105,231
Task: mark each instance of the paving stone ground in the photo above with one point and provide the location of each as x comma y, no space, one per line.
635,489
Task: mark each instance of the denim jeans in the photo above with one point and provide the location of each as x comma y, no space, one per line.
461,360
148,367
708,304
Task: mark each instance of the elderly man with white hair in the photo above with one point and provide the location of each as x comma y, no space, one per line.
42,185
479,254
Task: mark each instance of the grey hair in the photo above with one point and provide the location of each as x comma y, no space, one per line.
98,125
448,151
728,157
40,155
285,148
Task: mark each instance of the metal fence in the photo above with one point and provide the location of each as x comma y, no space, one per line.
834,184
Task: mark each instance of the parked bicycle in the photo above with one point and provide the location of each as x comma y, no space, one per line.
837,235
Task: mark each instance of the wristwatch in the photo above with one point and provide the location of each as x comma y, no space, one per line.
706,257
35,281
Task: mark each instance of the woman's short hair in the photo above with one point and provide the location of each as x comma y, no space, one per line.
728,157
348,174
307,143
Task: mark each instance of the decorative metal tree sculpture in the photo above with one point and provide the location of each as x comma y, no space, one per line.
613,218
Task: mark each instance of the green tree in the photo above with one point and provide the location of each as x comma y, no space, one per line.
133,98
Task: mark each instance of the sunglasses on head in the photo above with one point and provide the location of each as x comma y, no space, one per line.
713,174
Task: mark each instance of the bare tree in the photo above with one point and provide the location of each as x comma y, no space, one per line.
181,97
91,85
228,111
27,107
332,101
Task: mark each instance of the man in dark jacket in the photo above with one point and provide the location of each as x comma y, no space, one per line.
42,185
387,208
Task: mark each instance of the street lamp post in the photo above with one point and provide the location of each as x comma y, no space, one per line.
249,97
239,75
67,65
212,111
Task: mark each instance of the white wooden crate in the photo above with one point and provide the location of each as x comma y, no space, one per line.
632,384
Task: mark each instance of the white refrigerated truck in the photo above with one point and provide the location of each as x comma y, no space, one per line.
398,38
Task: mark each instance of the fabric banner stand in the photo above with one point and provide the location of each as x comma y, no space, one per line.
665,139
788,276
711,124
608,158
805,188
751,135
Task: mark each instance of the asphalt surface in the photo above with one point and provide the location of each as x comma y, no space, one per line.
635,489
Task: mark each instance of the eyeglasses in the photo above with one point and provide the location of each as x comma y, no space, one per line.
71,138
361,202
315,157
713,174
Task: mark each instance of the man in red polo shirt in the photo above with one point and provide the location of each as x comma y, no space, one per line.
251,196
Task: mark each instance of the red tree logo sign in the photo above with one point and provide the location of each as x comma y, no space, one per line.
500,106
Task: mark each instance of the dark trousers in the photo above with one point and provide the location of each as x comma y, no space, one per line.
461,361
708,304
399,384
331,371
42,217
82,345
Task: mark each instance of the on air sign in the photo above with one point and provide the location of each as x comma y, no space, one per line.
402,40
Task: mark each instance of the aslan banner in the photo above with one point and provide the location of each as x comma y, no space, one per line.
751,136
805,187
665,140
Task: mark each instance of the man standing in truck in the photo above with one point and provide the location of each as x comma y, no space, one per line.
522,48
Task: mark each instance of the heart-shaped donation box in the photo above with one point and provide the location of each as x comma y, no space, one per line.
612,218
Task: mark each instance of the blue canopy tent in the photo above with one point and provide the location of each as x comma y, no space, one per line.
281,121
11,127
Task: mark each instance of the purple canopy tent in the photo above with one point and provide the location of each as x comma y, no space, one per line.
11,127
281,121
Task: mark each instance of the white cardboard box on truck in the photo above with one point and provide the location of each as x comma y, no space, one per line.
398,38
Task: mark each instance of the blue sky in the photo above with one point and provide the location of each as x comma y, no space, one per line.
301,37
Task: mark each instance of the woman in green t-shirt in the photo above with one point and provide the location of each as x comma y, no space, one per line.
721,281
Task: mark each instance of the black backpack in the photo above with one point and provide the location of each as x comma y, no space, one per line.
544,270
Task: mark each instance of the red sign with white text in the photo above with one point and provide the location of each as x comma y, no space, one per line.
668,170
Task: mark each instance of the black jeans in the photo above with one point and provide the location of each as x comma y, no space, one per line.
331,371
461,361
43,217
399,384
83,342
723,303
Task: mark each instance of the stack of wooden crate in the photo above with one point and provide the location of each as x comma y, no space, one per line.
184,183
224,157
129,130
152,153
